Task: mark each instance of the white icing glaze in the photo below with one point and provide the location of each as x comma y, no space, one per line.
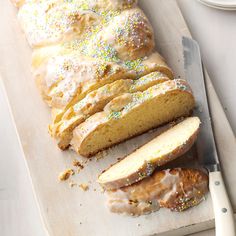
68,75
51,21
170,181
151,194
119,201
73,79
127,33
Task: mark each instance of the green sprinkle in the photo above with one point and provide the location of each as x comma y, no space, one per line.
114,115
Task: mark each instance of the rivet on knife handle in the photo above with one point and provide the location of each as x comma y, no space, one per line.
224,220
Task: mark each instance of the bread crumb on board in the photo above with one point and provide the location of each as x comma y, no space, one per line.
72,184
63,176
100,155
84,187
78,164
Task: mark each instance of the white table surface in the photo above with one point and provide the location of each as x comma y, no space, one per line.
216,33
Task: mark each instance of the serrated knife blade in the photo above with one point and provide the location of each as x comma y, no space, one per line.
206,147
207,154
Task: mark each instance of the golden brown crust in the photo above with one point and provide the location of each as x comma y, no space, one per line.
146,168
127,105
176,189
154,62
125,42
95,102
66,79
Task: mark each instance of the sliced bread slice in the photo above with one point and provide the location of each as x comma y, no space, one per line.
95,102
68,78
141,163
146,65
176,189
109,72
131,114
65,79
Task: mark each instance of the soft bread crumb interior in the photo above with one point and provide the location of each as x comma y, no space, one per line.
164,144
148,115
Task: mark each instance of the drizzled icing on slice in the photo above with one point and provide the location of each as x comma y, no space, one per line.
177,189
138,98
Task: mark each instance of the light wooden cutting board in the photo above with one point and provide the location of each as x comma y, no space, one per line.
70,211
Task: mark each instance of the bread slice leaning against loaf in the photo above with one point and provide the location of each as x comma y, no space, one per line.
131,114
95,102
176,189
164,148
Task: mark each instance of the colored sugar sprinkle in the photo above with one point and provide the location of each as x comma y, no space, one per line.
181,85
145,79
142,175
91,45
135,64
138,98
185,203
101,50
150,168
51,20
101,69
114,115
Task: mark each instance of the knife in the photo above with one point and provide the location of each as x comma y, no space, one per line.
206,147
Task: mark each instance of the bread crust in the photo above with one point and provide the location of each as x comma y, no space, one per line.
62,86
18,3
95,102
55,21
124,44
176,189
146,168
154,63
93,124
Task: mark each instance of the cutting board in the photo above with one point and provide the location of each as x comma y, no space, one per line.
70,211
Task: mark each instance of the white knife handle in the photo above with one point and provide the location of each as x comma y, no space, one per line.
224,217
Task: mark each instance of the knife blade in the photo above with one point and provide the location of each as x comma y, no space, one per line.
207,154
206,147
